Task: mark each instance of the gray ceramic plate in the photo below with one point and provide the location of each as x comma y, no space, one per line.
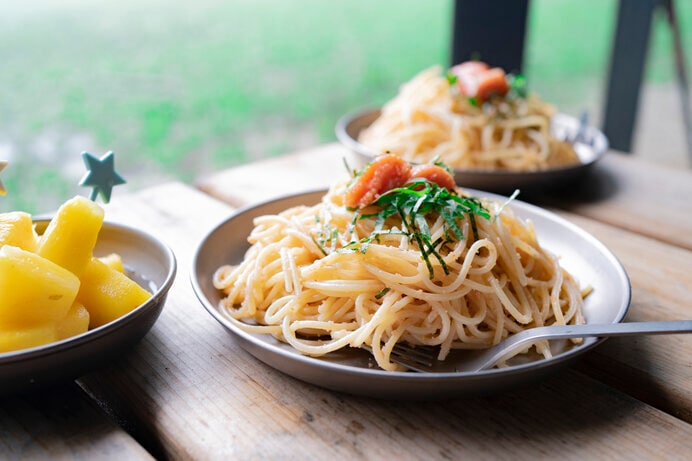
148,261
354,372
592,146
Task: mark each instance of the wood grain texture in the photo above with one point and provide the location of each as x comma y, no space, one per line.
315,168
191,391
62,423
642,197
654,369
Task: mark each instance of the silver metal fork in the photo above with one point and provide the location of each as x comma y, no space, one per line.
424,358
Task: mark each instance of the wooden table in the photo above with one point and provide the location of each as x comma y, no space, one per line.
187,391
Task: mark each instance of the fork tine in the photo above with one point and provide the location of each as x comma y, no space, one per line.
415,358
423,359
422,355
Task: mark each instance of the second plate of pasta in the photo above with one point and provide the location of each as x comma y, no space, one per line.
356,371
589,149
482,122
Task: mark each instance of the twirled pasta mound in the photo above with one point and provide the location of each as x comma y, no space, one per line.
470,118
444,270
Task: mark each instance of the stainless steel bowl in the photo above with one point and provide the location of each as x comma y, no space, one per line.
353,371
590,147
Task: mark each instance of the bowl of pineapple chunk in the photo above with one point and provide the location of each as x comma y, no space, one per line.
75,292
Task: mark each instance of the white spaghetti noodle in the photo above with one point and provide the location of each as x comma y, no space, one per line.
429,119
301,282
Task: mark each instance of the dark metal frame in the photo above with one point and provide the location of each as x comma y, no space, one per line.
492,31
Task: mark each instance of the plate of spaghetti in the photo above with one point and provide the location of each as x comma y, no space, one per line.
483,123
397,253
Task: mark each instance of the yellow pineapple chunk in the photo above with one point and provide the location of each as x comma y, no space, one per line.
75,322
70,237
16,229
33,289
108,294
114,261
15,339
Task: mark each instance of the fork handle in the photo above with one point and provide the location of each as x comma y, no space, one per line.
609,329
531,335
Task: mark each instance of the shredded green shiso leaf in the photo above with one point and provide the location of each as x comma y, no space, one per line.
412,203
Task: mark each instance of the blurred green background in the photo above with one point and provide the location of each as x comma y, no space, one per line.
180,90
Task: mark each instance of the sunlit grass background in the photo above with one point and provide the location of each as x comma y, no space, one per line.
180,89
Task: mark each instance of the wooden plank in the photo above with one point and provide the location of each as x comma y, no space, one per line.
642,197
62,423
297,172
235,407
193,389
654,369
